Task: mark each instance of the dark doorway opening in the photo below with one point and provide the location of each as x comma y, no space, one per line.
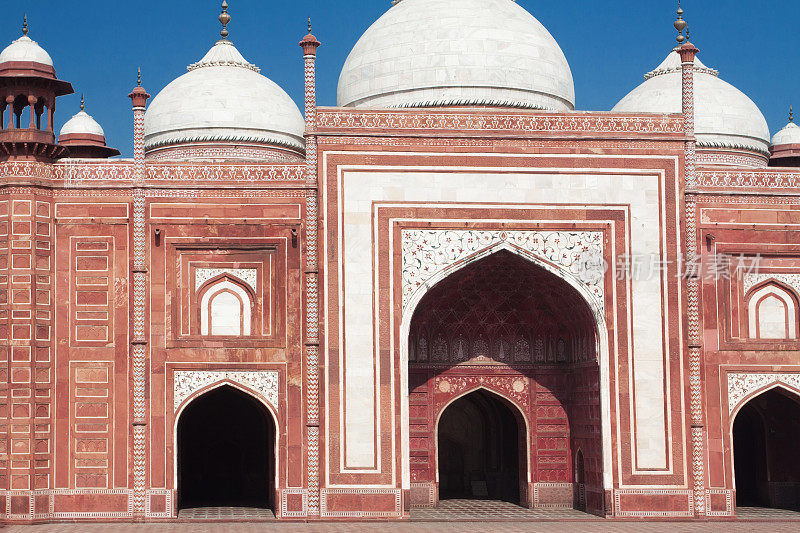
479,449
765,436
226,452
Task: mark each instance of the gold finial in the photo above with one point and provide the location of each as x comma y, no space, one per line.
25,24
680,25
687,32
309,24
139,77
791,114
224,19
83,103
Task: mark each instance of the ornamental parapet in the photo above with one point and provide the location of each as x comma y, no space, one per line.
770,181
86,173
483,122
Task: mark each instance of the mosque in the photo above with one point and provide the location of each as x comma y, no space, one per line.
451,289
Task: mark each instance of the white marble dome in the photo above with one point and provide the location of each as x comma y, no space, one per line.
81,124
725,118
428,53
788,135
25,49
224,99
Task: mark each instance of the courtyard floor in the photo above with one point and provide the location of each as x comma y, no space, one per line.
453,516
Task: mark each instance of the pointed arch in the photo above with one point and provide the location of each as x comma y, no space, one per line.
772,310
602,348
270,414
226,305
763,432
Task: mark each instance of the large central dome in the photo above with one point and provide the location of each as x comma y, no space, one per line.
429,53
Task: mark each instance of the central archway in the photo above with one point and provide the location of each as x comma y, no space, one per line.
226,443
507,325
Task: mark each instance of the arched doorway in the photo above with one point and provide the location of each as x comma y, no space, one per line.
505,324
226,443
766,431
479,456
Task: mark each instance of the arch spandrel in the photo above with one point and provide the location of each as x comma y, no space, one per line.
264,383
743,385
431,255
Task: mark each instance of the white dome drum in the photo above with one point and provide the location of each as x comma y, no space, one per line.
432,53
223,108
729,127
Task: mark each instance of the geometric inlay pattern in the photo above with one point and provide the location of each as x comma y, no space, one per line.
427,252
740,385
262,382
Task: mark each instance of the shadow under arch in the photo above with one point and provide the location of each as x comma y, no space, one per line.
764,431
514,438
589,301
226,449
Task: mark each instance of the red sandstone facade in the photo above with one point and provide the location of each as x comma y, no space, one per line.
107,325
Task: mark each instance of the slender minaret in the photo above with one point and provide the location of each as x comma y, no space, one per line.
309,44
139,348
687,52
139,98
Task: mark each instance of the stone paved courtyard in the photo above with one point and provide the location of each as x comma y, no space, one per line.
453,517
413,527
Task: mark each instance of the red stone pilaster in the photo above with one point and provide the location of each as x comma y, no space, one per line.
688,52
26,371
309,44
139,345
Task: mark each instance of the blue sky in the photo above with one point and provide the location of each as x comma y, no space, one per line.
98,44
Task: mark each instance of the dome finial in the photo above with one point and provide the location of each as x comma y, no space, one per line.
139,77
25,24
791,114
224,19
83,103
309,24
680,24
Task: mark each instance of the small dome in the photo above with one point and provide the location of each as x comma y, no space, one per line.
25,50
429,53
224,99
788,135
725,118
82,124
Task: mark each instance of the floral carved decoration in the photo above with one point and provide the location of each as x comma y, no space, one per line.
262,382
428,252
741,385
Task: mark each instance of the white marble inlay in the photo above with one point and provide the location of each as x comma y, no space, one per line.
741,385
247,275
359,190
262,382
427,252
752,279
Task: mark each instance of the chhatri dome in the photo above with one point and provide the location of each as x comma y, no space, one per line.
727,122
26,50
785,146
224,108
84,137
428,53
